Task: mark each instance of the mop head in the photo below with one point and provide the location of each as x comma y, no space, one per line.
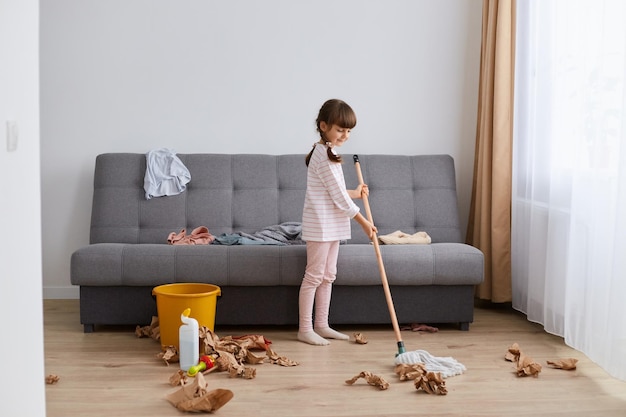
447,366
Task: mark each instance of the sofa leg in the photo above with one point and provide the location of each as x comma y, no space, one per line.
464,326
88,328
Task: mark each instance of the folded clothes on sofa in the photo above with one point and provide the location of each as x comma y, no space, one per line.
399,238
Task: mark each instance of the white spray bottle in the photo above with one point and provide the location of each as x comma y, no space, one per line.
188,343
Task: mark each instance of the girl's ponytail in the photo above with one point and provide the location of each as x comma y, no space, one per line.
308,157
329,151
332,155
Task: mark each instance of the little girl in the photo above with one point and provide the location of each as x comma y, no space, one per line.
328,208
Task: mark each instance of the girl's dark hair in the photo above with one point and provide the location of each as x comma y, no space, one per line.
333,112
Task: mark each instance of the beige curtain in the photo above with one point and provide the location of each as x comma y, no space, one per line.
489,226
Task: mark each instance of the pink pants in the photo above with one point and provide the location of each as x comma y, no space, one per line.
316,287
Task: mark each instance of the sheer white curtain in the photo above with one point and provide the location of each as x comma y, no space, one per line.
569,174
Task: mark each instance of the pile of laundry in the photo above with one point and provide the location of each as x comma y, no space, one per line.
288,233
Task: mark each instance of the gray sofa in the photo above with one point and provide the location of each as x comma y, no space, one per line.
128,254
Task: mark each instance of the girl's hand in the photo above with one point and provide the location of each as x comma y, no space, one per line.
360,191
363,190
369,230
366,225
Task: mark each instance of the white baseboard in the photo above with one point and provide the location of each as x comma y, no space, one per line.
61,293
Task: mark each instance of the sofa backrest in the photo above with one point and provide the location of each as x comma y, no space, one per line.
248,192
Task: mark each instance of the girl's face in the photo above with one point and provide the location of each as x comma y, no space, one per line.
335,134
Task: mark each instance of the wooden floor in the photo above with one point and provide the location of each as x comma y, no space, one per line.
113,373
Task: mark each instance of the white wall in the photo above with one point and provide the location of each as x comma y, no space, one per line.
244,76
21,348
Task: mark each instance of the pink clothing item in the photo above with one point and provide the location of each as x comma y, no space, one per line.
327,206
199,236
175,238
316,288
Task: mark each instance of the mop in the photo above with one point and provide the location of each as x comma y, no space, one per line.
447,366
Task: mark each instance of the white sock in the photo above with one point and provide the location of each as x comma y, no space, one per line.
331,333
312,338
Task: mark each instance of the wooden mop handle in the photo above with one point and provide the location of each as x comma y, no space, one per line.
359,175
381,267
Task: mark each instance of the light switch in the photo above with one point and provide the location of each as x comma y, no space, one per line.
12,135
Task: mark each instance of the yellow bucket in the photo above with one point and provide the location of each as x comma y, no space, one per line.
173,299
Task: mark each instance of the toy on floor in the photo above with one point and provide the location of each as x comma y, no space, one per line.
206,362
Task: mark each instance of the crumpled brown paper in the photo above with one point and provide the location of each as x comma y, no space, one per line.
374,380
360,338
429,382
196,396
179,378
251,341
230,352
410,372
153,331
52,379
525,365
229,357
244,372
568,364
279,360
234,351
169,354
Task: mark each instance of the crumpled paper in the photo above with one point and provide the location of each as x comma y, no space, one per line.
179,378
231,352
410,371
196,396
359,338
525,365
234,352
151,330
568,364
52,379
251,341
429,382
279,360
374,380
168,354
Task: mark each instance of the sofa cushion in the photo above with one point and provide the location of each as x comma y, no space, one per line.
106,264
